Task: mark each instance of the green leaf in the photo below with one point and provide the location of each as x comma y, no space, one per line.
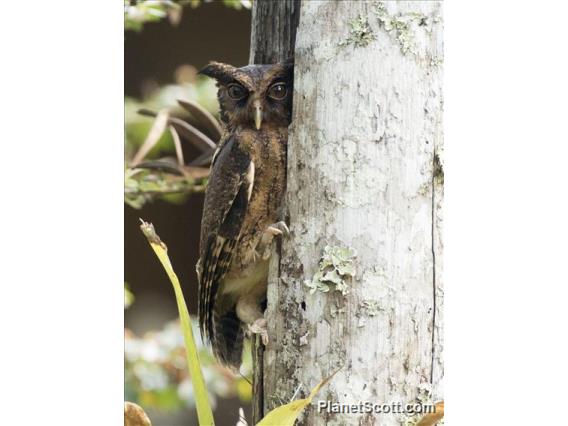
204,412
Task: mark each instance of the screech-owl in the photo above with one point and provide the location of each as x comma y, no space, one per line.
242,203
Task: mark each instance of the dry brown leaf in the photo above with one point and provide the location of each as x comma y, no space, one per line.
177,144
134,415
153,137
432,418
204,117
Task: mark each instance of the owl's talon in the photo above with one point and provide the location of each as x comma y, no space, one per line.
271,231
282,227
259,327
278,228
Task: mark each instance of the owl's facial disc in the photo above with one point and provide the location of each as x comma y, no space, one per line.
254,96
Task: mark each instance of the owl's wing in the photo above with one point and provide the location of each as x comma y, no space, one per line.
219,148
226,202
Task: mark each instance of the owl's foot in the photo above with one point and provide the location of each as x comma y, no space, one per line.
259,327
271,231
279,228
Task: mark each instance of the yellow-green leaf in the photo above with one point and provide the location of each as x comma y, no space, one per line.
286,415
204,412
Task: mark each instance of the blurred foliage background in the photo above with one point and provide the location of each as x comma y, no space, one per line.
166,42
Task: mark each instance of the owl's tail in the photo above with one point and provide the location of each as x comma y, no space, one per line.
227,339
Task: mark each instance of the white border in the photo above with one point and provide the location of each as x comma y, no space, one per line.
506,212
61,173
61,212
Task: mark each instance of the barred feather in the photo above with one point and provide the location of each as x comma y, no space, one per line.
226,203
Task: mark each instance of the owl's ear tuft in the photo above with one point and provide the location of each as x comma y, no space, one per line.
223,73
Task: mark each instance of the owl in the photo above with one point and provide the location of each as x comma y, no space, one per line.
241,214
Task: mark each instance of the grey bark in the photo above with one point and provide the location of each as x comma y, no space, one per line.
364,172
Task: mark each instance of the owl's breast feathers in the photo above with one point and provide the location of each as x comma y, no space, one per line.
243,195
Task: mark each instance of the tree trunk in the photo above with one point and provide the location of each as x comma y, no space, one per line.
273,32
273,35
364,173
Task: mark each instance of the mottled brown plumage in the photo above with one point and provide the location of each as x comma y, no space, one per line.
242,203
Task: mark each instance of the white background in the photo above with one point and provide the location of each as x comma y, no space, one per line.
61,155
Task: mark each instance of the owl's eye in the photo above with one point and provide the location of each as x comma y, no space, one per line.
236,91
277,91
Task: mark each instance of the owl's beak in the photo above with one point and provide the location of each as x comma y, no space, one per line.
257,114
